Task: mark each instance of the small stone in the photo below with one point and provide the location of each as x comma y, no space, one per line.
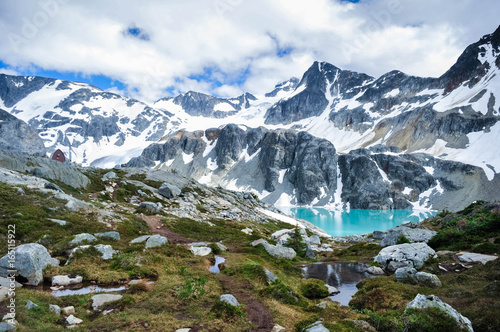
278,328
375,270
470,257
6,327
309,252
229,299
55,308
332,290
247,231
317,327
406,275
428,279
109,176
30,305
60,222
72,320
66,311
314,239
187,329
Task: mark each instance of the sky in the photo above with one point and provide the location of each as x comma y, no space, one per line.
159,48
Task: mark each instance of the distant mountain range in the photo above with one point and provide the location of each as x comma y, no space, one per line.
333,138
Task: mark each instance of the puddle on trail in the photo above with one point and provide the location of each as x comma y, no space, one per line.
215,268
343,276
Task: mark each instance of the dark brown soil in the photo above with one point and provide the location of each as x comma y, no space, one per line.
257,312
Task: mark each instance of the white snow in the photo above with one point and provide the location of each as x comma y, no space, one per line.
280,217
429,170
187,158
224,107
281,175
407,191
392,93
212,164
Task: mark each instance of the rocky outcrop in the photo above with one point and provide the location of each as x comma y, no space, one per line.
156,241
17,136
404,255
277,251
30,260
432,301
412,234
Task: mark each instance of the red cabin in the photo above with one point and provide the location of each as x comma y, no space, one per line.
59,156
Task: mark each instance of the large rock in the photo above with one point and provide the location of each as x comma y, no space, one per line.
79,238
404,255
412,234
168,190
271,277
317,327
277,251
156,241
101,299
229,299
470,257
428,279
150,206
406,275
432,301
30,260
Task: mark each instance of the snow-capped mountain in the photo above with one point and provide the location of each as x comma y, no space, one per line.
308,141
91,126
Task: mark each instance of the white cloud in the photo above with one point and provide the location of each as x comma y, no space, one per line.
422,38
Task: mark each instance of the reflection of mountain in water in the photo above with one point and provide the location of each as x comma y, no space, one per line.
337,274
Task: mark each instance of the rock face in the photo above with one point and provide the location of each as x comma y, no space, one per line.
17,136
432,301
30,260
412,234
404,255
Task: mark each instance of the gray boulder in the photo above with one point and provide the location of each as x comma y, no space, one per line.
309,252
113,235
156,241
101,299
271,277
277,251
109,176
432,301
150,206
31,305
140,239
404,255
51,186
72,320
55,308
200,251
30,261
58,221
470,257
428,279
412,234
229,299
406,275
314,239
168,190
83,237
375,270
6,327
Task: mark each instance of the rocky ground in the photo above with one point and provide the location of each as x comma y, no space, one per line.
155,235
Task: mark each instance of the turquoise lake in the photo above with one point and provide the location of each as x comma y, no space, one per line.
350,222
